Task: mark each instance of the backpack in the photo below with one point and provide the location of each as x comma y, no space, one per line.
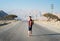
32,21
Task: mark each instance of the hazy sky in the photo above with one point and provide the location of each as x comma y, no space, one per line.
42,5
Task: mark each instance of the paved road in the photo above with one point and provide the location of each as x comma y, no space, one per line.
19,33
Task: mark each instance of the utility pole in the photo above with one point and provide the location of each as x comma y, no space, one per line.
52,7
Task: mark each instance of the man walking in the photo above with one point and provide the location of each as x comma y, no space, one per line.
30,23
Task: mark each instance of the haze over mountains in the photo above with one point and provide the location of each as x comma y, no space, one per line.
23,14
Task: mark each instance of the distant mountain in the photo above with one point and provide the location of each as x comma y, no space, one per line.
23,14
2,13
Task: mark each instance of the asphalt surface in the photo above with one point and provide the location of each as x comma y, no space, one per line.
19,33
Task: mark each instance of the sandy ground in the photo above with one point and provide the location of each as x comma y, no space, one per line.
13,23
10,22
54,26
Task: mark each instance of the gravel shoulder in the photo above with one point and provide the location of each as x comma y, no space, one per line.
54,26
